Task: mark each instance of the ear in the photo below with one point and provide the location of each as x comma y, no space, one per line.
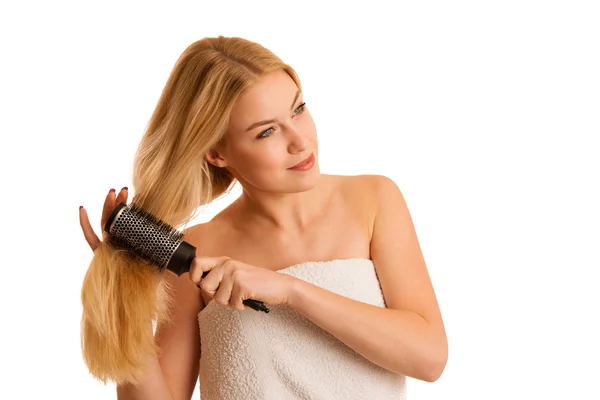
214,157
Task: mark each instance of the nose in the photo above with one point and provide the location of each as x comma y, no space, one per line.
297,141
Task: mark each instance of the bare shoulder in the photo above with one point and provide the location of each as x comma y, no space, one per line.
364,181
368,188
194,232
364,195
205,236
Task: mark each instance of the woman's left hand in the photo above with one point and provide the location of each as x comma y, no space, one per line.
230,282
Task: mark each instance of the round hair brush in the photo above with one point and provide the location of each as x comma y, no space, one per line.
156,241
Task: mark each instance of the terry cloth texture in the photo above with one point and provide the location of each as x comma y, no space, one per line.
283,355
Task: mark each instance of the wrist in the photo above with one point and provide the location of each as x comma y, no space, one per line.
293,291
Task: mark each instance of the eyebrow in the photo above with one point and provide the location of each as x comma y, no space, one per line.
270,121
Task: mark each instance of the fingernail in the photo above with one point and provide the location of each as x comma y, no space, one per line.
112,190
125,188
80,207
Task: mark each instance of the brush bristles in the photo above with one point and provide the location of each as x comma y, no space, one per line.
150,238
122,295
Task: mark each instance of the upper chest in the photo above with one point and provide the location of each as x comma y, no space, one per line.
342,231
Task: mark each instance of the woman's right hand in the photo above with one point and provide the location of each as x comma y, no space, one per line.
112,199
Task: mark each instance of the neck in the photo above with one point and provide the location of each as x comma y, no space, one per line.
284,211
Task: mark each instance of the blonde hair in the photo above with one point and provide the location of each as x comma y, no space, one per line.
121,294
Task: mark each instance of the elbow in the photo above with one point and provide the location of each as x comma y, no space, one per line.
431,362
435,365
428,368
434,371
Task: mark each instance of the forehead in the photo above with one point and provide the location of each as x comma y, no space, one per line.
269,97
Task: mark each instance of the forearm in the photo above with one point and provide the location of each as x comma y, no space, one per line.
398,340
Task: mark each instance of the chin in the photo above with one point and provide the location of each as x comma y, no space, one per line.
304,181
286,182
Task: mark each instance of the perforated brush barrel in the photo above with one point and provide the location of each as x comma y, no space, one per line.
150,238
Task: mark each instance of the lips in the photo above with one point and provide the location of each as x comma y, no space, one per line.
304,162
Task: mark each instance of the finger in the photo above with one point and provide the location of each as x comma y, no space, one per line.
223,293
211,281
88,231
200,265
109,206
210,284
237,297
122,196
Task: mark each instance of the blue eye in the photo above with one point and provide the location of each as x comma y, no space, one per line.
265,134
300,109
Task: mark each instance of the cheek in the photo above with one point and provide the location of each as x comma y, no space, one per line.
307,125
265,155
272,153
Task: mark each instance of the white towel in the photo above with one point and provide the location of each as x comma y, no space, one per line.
282,355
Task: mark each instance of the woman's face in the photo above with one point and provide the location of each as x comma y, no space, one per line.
271,131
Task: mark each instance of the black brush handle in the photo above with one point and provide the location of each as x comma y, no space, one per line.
181,261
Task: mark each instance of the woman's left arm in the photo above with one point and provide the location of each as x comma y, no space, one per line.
408,337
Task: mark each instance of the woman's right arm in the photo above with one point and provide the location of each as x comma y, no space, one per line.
172,375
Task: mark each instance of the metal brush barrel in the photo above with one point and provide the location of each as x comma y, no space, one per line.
149,238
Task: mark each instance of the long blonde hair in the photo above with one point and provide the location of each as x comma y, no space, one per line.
121,294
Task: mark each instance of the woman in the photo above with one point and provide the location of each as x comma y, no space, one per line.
335,258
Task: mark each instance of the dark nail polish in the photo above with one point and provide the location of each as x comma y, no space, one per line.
112,190
80,207
125,188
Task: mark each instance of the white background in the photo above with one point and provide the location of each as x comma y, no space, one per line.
486,114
